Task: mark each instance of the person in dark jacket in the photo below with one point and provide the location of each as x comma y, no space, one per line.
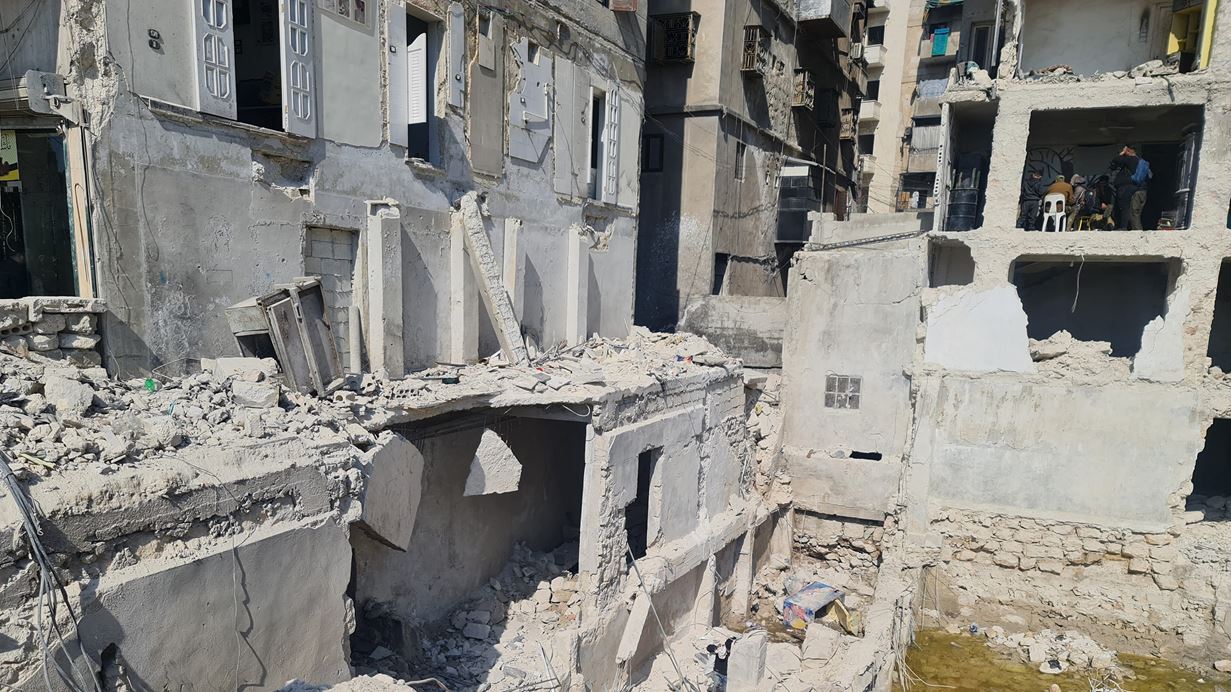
1130,197
1033,190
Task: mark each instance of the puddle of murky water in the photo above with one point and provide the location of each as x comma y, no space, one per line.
967,664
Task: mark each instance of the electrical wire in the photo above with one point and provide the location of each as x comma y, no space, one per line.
52,595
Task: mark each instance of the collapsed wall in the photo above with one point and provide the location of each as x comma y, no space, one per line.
216,517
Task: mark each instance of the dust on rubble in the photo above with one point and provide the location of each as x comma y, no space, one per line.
506,636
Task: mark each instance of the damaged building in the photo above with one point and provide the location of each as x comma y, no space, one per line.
318,365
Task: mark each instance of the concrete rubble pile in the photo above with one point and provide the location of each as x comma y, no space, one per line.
764,420
493,641
1053,651
55,418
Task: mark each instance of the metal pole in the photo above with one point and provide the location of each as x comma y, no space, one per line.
996,38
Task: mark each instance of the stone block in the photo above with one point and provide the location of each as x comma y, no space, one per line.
16,345
84,341
392,491
1002,559
820,642
1166,582
1158,539
44,342
250,369
475,630
84,323
83,358
1051,566
1027,563
50,324
71,398
1138,565
746,666
256,394
1136,549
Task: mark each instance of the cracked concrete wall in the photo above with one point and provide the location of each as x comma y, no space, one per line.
191,215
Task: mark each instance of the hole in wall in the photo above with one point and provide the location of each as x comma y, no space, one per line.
637,513
1093,299
1212,472
1219,347
869,456
950,264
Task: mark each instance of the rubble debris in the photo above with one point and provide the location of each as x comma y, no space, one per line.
494,469
514,633
50,329
1052,651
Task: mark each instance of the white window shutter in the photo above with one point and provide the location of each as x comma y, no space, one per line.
610,175
630,148
457,55
215,42
298,76
416,81
396,63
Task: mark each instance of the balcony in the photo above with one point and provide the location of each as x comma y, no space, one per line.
867,165
869,111
826,18
940,47
874,56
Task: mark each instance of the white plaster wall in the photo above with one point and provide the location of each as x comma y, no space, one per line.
894,111
854,313
1090,37
1109,454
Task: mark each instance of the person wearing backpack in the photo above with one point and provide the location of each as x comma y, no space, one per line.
1131,180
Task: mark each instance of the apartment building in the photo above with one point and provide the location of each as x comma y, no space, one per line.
750,124
174,158
1035,407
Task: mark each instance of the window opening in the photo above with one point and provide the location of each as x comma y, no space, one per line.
875,35
874,90
598,143
653,153
866,142
637,513
741,153
721,261
354,10
258,66
36,239
421,50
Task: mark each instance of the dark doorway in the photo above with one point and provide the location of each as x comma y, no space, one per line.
637,513
36,235
258,64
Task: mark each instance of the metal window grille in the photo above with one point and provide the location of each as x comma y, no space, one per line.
842,391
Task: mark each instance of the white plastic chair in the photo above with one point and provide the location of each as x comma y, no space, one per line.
1054,213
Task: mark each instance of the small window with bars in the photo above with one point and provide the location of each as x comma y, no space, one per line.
675,37
842,391
756,58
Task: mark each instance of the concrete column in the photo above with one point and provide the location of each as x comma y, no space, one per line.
1212,191
1004,178
577,302
383,241
463,299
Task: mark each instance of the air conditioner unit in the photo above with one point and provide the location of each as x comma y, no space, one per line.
756,58
805,90
675,37
856,52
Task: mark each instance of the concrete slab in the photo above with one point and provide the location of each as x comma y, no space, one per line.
978,331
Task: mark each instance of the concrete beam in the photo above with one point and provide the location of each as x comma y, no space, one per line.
491,285
578,286
463,306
